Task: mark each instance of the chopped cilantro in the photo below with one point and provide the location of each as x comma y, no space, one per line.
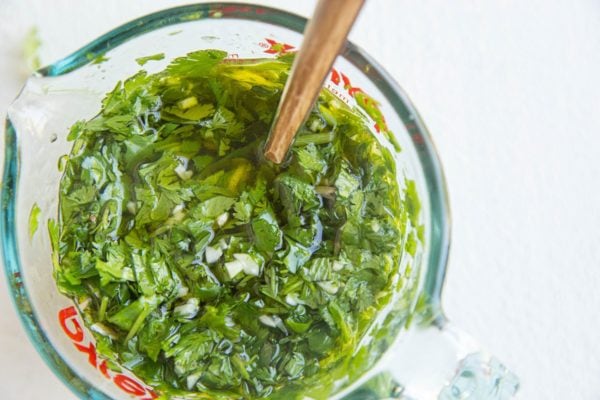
155,57
34,219
96,58
208,270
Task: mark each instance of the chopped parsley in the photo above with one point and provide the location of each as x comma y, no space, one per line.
207,269
34,219
155,57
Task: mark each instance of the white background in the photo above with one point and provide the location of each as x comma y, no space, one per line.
510,90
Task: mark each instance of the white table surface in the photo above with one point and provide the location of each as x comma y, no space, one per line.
511,93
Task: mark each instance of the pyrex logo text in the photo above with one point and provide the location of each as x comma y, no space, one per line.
73,328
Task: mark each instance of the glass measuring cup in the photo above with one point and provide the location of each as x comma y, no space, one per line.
412,352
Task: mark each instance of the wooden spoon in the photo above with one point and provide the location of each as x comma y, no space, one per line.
324,36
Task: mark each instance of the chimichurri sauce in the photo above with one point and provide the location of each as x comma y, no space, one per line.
204,268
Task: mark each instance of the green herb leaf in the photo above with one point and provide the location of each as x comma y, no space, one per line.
196,64
267,235
34,216
154,57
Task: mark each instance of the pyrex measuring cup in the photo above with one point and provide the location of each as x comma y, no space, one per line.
411,352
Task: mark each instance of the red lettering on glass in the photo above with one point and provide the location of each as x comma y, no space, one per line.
71,325
76,333
348,86
277,47
90,350
335,76
103,369
128,385
234,9
152,394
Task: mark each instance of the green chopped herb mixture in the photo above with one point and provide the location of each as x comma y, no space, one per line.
206,268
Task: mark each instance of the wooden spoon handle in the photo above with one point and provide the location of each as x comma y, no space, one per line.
324,36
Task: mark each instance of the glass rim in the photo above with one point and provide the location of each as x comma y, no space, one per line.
438,238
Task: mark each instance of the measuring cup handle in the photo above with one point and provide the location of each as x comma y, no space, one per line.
437,362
